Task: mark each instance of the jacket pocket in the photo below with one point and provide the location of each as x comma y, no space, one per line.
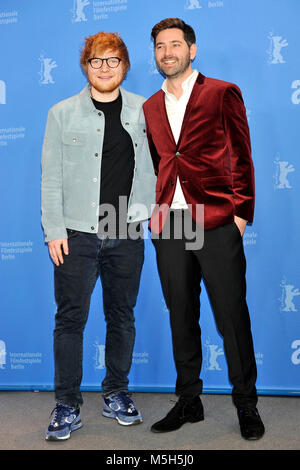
138,135
74,138
216,181
74,144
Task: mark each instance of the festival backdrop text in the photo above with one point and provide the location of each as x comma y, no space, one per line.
252,43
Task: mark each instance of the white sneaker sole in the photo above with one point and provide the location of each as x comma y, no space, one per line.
113,415
52,437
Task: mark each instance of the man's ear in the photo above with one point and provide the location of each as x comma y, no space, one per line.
193,51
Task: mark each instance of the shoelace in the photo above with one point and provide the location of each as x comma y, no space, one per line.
124,401
60,412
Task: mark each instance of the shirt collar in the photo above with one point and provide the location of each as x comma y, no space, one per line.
187,85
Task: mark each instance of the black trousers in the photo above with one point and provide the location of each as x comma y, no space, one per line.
221,264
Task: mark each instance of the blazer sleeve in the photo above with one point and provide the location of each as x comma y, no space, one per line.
238,140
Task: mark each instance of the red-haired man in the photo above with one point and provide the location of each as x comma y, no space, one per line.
97,186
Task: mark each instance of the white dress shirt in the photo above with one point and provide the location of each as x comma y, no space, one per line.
175,112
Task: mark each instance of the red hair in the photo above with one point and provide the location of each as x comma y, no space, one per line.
98,43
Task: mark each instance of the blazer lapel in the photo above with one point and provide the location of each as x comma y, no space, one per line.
194,95
165,119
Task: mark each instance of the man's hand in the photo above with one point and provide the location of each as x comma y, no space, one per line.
241,223
56,250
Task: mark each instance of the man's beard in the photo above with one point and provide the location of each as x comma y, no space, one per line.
179,68
109,87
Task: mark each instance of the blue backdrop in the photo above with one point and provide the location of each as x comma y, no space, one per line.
253,43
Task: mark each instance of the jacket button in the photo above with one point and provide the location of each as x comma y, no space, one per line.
99,114
177,154
96,155
92,228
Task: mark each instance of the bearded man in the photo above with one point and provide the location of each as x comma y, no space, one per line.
200,145
96,161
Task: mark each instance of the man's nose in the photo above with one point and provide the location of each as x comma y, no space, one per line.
168,51
105,67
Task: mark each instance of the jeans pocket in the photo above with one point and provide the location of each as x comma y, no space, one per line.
72,233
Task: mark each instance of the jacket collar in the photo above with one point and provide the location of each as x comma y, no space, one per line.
87,103
194,95
196,89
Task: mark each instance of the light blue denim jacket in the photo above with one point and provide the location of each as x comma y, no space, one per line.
71,164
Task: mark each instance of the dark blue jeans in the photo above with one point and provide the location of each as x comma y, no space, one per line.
118,263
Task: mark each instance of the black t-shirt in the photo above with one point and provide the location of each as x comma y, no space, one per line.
117,158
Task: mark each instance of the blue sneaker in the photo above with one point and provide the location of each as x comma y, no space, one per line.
120,407
64,421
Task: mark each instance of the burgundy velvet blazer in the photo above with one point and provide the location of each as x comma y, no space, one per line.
212,157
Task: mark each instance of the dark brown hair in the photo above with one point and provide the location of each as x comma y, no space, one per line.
188,32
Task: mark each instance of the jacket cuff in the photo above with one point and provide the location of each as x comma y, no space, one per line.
55,234
245,211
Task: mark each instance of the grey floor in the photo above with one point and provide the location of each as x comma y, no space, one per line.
24,416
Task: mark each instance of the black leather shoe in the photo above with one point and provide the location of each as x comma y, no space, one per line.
184,411
251,425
